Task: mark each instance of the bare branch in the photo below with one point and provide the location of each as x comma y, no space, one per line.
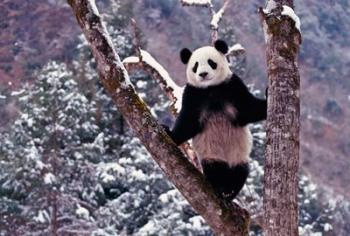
136,40
223,218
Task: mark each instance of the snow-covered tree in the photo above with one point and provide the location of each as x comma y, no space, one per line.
48,152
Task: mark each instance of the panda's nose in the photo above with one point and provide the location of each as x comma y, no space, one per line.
203,74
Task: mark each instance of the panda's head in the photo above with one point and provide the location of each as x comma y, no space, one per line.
207,65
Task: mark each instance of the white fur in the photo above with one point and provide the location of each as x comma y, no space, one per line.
221,141
214,77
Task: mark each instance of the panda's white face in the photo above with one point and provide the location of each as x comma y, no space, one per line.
207,66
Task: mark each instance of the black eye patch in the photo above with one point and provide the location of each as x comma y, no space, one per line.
212,64
194,69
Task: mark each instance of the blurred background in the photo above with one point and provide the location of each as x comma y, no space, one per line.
70,165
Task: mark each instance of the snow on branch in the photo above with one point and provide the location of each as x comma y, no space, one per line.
173,91
217,17
200,3
235,50
224,218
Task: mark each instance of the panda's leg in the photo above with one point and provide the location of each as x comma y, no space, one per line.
226,180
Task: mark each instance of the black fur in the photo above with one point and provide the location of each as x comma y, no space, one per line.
195,67
212,64
221,46
185,55
227,181
213,99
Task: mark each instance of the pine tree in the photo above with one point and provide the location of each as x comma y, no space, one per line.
49,151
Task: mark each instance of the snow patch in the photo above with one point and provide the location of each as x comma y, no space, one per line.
78,155
30,122
196,2
49,178
148,228
107,178
82,212
32,152
42,217
39,164
197,222
17,93
138,175
288,11
327,227
114,167
99,139
269,7
141,84
164,198
108,171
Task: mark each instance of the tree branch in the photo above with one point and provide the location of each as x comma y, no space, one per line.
223,218
216,17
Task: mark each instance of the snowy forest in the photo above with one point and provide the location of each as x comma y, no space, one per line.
70,164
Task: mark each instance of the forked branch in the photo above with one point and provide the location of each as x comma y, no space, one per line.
216,16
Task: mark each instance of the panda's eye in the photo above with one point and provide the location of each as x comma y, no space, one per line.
212,64
194,69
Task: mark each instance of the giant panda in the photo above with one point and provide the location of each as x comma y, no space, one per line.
216,109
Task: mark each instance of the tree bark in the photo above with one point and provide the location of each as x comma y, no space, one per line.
282,150
224,219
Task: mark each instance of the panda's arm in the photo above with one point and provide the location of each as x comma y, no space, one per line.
187,123
251,109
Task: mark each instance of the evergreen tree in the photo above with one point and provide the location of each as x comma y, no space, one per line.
48,153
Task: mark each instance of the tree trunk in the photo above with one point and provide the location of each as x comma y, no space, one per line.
282,150
223,219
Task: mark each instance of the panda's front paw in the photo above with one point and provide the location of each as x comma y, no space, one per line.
267,92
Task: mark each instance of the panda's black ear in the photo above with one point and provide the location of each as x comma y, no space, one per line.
221,46
185,55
